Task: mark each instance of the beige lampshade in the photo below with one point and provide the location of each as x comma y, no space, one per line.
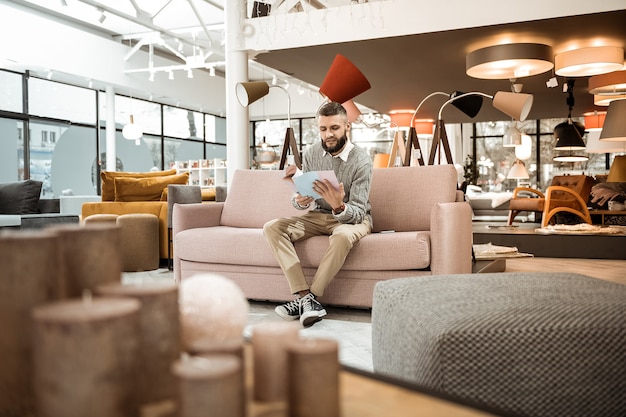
595,145
507,61
248,93
589,61
518,171
343,81
614,128
516,105
353,111
608,84
617,173
605,100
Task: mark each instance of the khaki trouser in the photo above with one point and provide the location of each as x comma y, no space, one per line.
281,233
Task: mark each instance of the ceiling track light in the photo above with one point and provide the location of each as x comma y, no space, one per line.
509,61
102,17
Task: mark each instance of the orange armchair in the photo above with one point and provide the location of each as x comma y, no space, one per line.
567,193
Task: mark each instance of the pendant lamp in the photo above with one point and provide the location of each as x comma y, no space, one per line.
132,131
569,134
512,137
589,61
614,128
343,81
507,61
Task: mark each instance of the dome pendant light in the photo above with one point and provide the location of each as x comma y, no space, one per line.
568,134
506,61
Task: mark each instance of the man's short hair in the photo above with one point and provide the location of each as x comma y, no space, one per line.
332,109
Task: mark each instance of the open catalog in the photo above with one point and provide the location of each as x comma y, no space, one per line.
303,183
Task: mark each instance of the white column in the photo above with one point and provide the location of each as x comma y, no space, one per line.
237,119
110,130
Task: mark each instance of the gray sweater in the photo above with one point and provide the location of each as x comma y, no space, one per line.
355,174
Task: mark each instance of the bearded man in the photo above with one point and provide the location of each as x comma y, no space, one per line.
341,213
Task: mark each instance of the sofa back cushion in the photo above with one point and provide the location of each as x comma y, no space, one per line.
147,188
108,180
256,196
20,197
402,198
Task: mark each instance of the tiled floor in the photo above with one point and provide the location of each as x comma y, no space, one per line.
350,327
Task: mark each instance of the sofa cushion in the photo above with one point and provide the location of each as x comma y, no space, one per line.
146,189
20,197
108,180
402,198
250,205
376,252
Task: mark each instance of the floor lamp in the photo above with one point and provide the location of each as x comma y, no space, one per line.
515,105
468,104
248,93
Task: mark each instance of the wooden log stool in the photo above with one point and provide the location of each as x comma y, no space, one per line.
139,238
139,241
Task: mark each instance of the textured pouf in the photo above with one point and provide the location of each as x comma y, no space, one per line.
528,344
139,241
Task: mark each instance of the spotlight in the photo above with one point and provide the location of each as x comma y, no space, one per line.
552,82
170,75
212,72
151,77
189,73
102,17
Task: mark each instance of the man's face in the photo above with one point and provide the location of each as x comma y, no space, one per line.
333,133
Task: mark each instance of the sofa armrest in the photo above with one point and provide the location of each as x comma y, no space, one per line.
451,238
192,216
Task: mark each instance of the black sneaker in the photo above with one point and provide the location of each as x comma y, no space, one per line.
311,310
290,310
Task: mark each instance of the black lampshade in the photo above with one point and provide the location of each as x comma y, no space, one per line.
469,105
569,136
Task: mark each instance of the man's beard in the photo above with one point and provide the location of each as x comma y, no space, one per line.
340,144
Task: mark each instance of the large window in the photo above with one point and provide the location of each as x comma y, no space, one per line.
55,139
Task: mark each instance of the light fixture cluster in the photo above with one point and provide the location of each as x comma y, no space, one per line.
603,64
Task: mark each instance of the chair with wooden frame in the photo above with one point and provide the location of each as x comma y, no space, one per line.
566,193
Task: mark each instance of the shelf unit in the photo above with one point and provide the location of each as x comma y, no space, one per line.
203,172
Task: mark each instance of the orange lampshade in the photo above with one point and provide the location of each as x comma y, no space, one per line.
381,160
352,110
594,120
401,118
424,126
343,81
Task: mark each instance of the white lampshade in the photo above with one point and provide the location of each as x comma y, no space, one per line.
132,131
512,137
595,145
516,105
518,171
525,150
589,61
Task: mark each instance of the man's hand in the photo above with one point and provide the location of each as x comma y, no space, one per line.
303,201
334,197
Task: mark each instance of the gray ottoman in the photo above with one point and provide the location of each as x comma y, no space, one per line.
529,344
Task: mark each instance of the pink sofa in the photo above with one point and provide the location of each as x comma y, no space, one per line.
420,227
